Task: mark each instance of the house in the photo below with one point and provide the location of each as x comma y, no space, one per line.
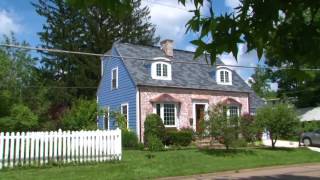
309,114
139,80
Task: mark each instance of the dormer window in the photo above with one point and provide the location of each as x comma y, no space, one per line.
161,70
224,76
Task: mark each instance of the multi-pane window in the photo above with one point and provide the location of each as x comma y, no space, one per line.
233,111
124,112
224,76
165,70
167,112
162,70
114,78
158,69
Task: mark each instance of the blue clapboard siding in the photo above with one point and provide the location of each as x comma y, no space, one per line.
126,92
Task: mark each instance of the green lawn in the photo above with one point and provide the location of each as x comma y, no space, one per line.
136,165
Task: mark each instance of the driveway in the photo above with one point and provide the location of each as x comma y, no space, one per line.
295,172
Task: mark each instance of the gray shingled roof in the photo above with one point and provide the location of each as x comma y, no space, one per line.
184,75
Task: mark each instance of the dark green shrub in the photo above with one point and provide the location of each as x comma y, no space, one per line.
129,140
153,126
310,126
154,143
179,138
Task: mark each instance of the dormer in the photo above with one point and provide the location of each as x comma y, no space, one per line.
223,75
161,69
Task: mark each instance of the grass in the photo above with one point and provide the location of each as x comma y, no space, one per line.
136,164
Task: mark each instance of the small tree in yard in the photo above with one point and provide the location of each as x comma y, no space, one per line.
248,128
279,120
222,128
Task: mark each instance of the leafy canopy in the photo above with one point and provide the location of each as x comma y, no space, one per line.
281,121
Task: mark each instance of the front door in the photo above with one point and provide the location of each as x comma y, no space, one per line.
199,117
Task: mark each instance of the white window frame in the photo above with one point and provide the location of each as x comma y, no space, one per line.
121,110
117,72
218,76
161,77
233,105
104,119
176,120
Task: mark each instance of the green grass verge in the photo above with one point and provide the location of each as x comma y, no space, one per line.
136,165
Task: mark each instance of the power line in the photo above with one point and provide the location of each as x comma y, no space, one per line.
144,59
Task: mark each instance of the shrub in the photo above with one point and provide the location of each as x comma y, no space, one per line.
222,128
280,121
129,140
309,126
154,143
120,120
21,119
248,128
153,126
179,138
82,115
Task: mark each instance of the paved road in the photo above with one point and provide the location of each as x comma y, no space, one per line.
293,172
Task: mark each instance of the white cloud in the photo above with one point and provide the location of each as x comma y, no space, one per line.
243,59
8,23
190,47
170,18
232,3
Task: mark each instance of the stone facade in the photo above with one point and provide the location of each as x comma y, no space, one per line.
187,97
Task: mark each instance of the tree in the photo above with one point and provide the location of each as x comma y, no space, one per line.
91,29
222,128
81,116
287,32
280,121
260,83
21,119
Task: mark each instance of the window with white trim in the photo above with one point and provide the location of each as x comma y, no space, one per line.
224,76
161,70
167,112
233,111
114,78
125,112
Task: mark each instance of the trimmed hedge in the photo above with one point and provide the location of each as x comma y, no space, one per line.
153,126
179,138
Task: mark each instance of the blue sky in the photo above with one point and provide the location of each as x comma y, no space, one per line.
19,16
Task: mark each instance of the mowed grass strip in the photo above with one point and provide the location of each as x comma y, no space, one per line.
136,165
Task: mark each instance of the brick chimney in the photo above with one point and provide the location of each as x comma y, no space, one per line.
167,47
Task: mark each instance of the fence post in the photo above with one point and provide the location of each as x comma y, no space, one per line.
17,159
1,149
27,156
12,143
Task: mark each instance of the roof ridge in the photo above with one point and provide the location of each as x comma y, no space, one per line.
155,46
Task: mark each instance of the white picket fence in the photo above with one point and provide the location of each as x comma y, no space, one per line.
40,148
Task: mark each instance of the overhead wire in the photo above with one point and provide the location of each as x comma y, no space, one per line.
146,59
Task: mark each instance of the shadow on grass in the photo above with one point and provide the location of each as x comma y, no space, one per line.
230,152
277,149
